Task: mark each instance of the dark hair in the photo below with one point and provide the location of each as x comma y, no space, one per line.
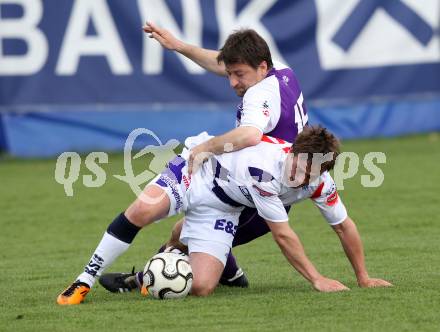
316,139
245,46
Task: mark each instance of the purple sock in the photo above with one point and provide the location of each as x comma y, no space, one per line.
162,249
139,279
231,267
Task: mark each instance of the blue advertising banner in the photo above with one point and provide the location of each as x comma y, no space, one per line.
76,59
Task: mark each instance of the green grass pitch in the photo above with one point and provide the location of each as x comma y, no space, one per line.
46,238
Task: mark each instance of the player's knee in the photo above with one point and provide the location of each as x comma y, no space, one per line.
201,288
139,213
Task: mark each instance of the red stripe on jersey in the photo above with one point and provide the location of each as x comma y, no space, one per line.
318,191
286,149
267,139
272,140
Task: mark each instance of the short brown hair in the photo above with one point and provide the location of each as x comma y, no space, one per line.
316,139
245,46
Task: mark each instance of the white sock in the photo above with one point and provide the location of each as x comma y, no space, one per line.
105,254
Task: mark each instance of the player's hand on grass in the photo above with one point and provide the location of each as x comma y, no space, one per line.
327,285
164,37
373,282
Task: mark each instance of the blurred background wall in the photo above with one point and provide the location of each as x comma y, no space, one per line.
81,75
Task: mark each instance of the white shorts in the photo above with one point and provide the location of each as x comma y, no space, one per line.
211,234
208,218
174,179
216,249
210,225
175,182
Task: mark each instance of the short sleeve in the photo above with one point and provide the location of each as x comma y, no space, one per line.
267,202
261,109
328,202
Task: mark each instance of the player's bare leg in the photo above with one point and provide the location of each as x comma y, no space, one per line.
174,240
153,204
206,271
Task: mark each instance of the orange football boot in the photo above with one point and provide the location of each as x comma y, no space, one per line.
74,294
144,291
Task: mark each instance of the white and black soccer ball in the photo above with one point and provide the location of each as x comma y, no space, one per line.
168,275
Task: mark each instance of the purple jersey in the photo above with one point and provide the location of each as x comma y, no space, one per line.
275,105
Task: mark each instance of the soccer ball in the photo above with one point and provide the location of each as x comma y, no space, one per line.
168,275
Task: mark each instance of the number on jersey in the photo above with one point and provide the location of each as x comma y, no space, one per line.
301,118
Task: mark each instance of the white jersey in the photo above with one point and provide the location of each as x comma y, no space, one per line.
254,177
214,197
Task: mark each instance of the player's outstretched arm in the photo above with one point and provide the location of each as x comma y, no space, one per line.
293,250
203,57
352,244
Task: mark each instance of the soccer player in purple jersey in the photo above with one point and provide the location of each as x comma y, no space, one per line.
272,104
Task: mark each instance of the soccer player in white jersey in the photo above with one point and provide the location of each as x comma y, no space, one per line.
272,104
257,174
321,191
260,176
